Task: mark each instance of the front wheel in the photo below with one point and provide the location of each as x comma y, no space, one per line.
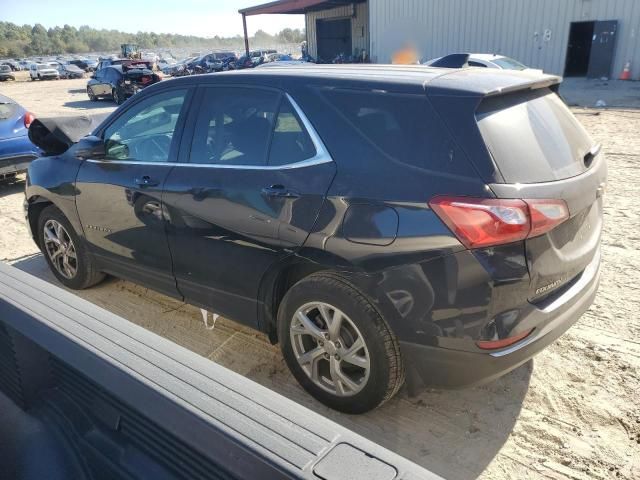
91,95
338,346
65,252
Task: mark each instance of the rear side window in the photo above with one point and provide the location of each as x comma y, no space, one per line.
533,137
234,126
396,125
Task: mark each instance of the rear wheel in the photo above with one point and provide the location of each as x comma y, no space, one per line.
118,96
338,346
92,97
65,252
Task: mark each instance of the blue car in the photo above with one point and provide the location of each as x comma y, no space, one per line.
16,150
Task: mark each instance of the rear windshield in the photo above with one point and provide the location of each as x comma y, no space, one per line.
508,63
533,137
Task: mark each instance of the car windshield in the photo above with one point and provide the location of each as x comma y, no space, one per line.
509,63
40,66
5,68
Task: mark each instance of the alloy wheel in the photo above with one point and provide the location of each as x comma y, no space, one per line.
60,249
330,349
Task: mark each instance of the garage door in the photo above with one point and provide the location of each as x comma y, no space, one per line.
334,38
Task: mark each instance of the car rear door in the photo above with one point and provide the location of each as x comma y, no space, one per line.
118,197
255,177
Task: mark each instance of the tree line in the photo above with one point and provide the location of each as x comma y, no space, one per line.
22,41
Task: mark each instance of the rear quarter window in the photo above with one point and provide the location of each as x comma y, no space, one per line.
398,126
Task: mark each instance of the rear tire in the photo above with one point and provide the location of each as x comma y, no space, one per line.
92,97
65,252
118,96
330,364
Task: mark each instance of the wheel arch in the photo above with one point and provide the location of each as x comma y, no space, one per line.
284,275
35,206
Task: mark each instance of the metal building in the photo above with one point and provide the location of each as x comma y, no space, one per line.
594,38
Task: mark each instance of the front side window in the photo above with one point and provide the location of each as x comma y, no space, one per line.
234,126
144,133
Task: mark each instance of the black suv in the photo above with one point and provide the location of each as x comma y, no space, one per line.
379,222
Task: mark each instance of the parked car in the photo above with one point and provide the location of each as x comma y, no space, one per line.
487,60
127,62
119,83
81,63
12,64
279,57
6,73
70,70
16,150
377,221
43,71
243,62
284,63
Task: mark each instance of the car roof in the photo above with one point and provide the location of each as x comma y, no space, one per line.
405,78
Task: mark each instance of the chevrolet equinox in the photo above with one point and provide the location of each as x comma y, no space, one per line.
379,222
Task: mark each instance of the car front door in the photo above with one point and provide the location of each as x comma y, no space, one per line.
119,196
255,180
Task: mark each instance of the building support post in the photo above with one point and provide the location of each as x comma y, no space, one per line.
246,37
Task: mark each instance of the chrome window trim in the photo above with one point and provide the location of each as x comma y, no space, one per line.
322,154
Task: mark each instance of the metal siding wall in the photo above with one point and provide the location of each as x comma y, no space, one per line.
361,20
511,27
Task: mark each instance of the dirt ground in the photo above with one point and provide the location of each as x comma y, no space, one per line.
573,412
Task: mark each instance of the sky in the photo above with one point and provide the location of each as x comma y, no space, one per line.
203,18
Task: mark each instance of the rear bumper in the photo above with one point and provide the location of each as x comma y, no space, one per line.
437,366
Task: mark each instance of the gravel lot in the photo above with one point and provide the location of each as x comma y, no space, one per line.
573,412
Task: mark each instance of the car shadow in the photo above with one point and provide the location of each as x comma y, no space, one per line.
88,104
9,187
454,433
77,90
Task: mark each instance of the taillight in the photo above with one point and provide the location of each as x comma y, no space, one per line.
28,119
546,215
483,222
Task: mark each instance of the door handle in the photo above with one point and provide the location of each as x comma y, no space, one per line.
279,191
146,181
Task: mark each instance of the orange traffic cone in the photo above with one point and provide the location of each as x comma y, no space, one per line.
626,72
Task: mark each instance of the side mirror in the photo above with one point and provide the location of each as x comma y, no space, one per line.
93,75
90,147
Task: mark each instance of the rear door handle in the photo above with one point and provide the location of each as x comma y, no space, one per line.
146,181
279,191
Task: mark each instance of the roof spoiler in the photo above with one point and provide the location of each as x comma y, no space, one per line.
481,83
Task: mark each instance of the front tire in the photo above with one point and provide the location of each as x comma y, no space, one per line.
65,252
91,95
338,346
